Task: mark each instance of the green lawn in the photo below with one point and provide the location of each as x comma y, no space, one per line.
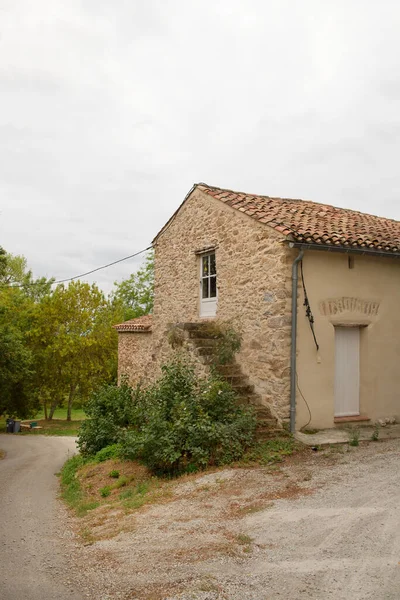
58,426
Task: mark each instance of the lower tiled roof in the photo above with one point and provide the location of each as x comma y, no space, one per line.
308,222
140,324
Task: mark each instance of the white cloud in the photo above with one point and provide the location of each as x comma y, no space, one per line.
110,111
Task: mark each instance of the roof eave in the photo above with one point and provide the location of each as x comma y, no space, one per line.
344,249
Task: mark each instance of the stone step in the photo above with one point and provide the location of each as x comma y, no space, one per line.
266,423
243,389
263,412
204,342
203,334
236,380
230,369
263,436
206,351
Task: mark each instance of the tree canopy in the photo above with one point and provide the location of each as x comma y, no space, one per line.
57,343
136,294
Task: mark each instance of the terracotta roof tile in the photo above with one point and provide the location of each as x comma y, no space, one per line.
310,222
140,324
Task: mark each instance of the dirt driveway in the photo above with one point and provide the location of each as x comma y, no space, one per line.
324,525
33,539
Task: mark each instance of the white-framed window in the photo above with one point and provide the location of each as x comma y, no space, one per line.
208,276
208,285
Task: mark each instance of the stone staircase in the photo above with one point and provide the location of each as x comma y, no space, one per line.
203,342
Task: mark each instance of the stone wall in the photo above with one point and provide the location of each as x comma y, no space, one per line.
253,291
135,361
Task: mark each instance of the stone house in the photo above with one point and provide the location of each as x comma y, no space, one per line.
314,291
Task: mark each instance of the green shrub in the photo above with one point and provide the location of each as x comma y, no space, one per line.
181,423
114,474
109,409
108,453
105,491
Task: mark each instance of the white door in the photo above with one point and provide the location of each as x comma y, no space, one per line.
347,371
208,285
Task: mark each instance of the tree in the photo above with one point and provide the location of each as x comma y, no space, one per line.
14,272
76,344
17,364
136,294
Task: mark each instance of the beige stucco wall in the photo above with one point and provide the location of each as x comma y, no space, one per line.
373,286
253,292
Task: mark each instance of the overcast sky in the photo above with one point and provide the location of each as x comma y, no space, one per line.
110,111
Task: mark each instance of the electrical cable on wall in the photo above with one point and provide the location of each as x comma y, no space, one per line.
306,303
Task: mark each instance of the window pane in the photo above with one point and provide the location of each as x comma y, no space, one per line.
213,287
213,269
204,288
205,266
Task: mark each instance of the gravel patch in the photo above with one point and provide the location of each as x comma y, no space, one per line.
321,525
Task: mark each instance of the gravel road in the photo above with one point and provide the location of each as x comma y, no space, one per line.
323,525
32,557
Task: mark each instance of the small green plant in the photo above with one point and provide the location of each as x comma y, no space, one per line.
122,482
105,491
354,437
375,433
176,337
107,453
114,474
142,488
126,494
243,539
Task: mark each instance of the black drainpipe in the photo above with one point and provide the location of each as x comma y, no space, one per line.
295,278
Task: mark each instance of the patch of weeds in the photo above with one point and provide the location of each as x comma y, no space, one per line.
126,494
105,491
243,539
114,474
254,508
375,433
134,502
70,487
122,482
84,508
142,488
270,451
354,437
87,536
309,431
208,585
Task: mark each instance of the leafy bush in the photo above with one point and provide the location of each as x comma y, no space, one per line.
114,474
107,453
105,491
109,409
181,423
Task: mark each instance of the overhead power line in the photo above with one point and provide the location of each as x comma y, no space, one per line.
115,262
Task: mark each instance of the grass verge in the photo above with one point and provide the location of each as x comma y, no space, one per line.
57,426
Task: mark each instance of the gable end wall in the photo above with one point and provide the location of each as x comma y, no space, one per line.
253,280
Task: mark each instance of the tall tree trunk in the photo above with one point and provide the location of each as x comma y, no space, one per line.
53,407
45,409
71,396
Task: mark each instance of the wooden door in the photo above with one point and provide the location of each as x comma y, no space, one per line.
347,371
